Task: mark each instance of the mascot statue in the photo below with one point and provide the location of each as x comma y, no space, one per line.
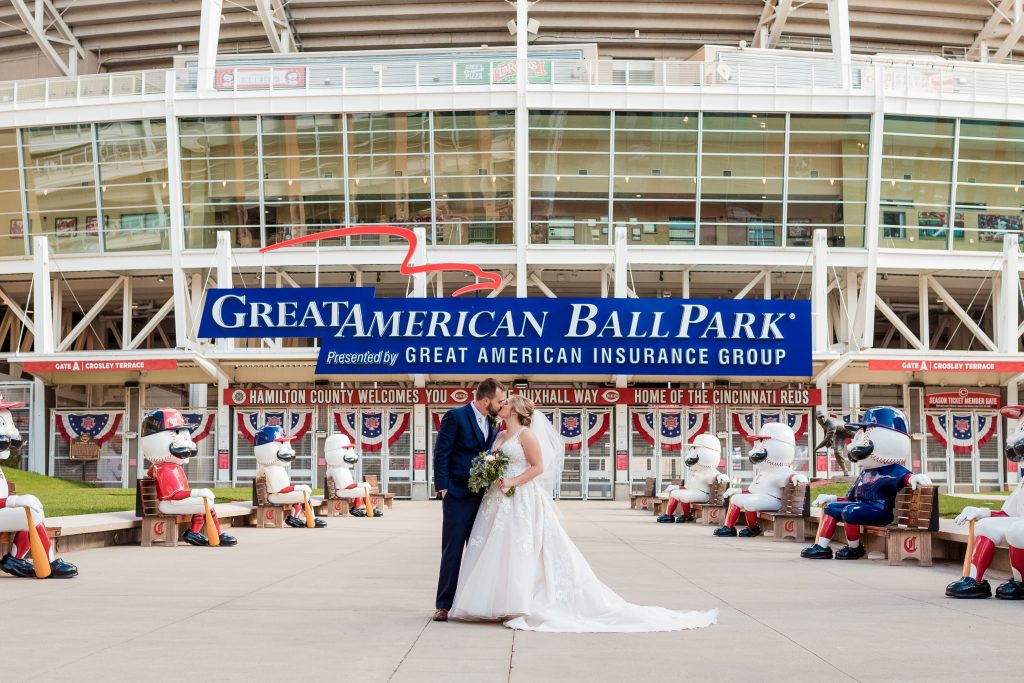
881,445
13,517
702,462
274,454
341,459
167,444
998,526
772,455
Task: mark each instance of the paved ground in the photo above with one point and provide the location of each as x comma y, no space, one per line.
353,602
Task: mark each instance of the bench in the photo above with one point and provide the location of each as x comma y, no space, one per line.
712,513
642,501
268,515
379,500
790,522
660,501
915,519
7,537
157,527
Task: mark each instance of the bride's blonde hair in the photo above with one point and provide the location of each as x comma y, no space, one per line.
523,407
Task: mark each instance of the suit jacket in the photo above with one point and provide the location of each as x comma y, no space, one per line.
458,441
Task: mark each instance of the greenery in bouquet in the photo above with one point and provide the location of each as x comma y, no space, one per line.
487,468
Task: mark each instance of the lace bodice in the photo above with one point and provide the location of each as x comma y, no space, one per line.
511,447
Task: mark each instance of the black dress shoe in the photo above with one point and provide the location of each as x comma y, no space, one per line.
294,521
751,531
1011,590
666,519
441,615
357,512
848,553
378,513
684,518
195,538
227,540
319,523
969,588
23,569
59,569
725,531
817,552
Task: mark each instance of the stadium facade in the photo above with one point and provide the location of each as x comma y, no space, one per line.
884,188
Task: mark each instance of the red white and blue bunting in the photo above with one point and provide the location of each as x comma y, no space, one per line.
964,434
100,427
571,427
376,427
298,422
673,436
744,423
200,424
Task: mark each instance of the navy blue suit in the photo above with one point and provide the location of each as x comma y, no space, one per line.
458,441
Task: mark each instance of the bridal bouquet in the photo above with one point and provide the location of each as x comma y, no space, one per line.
487,468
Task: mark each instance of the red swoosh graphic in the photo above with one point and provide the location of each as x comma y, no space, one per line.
489,281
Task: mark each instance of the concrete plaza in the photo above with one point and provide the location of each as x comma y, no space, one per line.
353,602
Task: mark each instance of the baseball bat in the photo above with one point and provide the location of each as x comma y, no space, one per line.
970,549
310,521
211,528
821,523
40,560
369,505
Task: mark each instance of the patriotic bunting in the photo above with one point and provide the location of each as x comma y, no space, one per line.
964,434
376,428
200,424
744,423
673,436
298,422
100,427
571,428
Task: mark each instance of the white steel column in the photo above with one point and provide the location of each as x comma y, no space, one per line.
224,277
419,487
619,274
39,448
209,37
42,301
1007,317
839,30
176,230
819,293
522,188
874,193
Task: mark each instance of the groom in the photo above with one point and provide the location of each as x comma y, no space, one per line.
465,432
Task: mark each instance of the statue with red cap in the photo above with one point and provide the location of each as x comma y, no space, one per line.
995,527
12,514
773,453
167,444
881,446
274,453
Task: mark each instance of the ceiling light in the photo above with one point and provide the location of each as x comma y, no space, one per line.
378,278
661,277
351,278
160,278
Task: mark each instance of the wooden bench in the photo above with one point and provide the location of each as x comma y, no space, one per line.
379,500
7,537
268,515
660,502
790,522
157,527
713,511
915,519
642,501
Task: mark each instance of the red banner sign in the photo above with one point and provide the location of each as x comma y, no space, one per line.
98,365
961,399
951,365
546,396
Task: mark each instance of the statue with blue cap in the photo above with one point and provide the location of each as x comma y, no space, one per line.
881,446
274,453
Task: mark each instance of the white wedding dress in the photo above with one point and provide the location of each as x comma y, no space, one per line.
521,567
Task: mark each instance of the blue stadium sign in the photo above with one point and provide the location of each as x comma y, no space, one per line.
361,334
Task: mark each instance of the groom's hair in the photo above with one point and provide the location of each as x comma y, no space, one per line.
488,388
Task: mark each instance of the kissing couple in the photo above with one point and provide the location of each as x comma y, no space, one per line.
505,557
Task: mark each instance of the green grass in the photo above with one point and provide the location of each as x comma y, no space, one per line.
62,497
949,506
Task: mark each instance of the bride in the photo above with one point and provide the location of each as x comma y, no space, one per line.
521,567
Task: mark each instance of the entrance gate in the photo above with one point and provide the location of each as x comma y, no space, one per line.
296,422
658,438
383,438
963,450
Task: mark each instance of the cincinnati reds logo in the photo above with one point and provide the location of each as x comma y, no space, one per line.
910,544
714,515
644,502
460,396
337,507
962,393
269,515
485,280
610,395
238,396
790,526
158,528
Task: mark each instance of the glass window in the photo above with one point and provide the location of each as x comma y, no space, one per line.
990,178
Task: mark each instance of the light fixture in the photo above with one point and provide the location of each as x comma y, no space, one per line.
558,178
426,180
103,188
46,192
351,278
686,119
163,186
627,179
259,277
223,183
753,116
638,196
893,183
764,181
661,276
831,181
160,278
357,181
494,178
378,277
290,183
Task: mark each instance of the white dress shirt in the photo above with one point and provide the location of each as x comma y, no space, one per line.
482,422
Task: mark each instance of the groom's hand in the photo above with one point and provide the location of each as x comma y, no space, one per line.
442,492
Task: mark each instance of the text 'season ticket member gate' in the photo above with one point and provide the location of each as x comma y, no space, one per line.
297,423
963,450
587,433
658,438
383,439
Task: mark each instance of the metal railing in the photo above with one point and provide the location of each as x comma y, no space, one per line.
95,88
